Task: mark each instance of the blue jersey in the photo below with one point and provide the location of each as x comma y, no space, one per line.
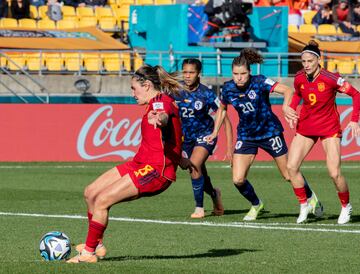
195,108
256,119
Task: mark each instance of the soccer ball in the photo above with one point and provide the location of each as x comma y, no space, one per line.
55,246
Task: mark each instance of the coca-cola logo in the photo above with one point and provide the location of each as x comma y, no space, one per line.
102,132
347,137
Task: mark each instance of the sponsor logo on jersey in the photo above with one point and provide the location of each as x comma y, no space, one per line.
143,171
187,101
269,82
198,105
158,105
252,94
321,86
242,95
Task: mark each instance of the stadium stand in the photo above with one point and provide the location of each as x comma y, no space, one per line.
42,11
306,28
327,29
346,67
46,24
68,11
84,11
87,21
293,28
27,23
308,16
9,23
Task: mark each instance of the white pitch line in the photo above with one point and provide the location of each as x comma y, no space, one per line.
211,224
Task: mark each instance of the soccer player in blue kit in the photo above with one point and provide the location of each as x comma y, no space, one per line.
196,103
258,126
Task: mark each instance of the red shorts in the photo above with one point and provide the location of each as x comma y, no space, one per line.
145,177
334,135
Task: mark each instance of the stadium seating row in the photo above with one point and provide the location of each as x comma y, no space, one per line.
105,23
325,29
71,61
344,67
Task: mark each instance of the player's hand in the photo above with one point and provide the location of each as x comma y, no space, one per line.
185,163
355,129
229,156
154,118
291,116
210,138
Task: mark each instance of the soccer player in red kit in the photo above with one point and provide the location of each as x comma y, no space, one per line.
319,119
152,169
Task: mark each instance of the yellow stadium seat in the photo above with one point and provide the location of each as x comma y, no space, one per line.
87,21
107,23
308,16
358,67
103,12
327,29
9,23
338,30
111,2
3,61
46,24
68,11
34,61
346,67
84,11
73,61
112,64
164,2
307,29
125,2
66,24
358,28
27,23
293,28
122,13
93,63
331,65
34,14
138,61
144,2
42,10
53,61
15,61
126,61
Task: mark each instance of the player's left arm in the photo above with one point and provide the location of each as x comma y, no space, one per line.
229,138
347,88
290,114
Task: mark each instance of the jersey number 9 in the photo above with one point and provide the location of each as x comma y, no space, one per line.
312,99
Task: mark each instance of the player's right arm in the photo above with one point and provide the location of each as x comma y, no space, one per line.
219,119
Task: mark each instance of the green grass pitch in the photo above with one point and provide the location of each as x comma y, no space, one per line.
156,235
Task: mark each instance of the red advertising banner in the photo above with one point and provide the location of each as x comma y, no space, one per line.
106,133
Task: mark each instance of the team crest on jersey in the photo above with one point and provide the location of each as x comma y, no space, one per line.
321,86
198,105
302,86
252,94
158,105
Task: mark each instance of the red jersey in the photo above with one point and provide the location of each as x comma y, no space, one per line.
319,115
161,147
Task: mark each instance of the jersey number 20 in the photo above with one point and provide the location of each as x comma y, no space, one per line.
247,107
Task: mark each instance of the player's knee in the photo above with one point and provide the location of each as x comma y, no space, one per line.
334,174
89,194
239,181
101,202
292,170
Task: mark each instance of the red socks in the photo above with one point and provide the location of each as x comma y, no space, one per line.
300,194
89,216
344,198
95,234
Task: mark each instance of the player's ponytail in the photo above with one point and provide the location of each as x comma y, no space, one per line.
248,57
169,83
313,48
162,81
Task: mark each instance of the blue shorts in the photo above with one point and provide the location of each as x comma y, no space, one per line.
188,147
275,146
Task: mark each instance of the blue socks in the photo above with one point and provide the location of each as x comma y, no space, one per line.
198,189
248,192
